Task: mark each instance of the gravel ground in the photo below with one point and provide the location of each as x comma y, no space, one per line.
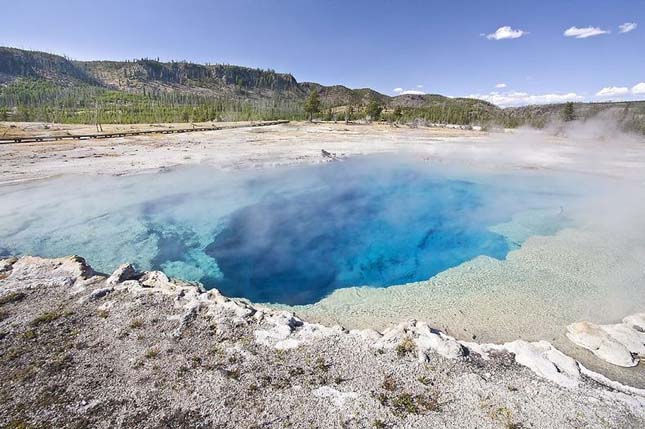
138,350
277,145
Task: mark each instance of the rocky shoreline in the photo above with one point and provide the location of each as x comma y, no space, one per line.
81,349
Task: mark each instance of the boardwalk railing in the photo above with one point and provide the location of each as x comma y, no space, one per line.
32,139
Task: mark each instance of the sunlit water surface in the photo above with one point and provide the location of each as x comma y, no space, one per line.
289,236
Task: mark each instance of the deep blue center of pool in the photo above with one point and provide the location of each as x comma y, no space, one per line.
298,249
291,237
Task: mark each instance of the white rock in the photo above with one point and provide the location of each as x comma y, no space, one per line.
599,378
187,317
481,349
122,273
337,397
636,321
237,309
52,272
269,337
310,331
545,360
280,326
106,306
289,343
156,279
540,357
131,284
592,337
366,334
633,340
391,337
286,331
438,343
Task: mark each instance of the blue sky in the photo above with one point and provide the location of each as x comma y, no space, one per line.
429,46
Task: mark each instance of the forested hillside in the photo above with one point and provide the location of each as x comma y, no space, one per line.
628,115
37,86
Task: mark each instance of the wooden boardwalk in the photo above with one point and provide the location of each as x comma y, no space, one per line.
45,138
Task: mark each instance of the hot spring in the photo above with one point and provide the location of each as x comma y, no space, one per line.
288,236
490,255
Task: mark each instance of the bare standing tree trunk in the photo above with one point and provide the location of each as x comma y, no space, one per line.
99,128
349,111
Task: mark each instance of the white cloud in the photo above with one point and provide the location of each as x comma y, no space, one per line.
583,33
639,88
401,91
506,32
627,27
509,99
613,91
500,85
412,91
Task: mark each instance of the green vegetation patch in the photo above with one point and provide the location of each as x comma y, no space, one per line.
46,318
405,347
12,297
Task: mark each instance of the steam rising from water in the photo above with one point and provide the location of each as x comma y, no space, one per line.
390,226
289,236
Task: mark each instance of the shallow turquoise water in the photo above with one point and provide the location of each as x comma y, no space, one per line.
288,236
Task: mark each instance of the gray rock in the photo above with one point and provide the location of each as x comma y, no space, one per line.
100,293
7,263
156,279
122,273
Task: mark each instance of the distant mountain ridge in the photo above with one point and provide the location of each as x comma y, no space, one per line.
202,79
41,86
16,63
